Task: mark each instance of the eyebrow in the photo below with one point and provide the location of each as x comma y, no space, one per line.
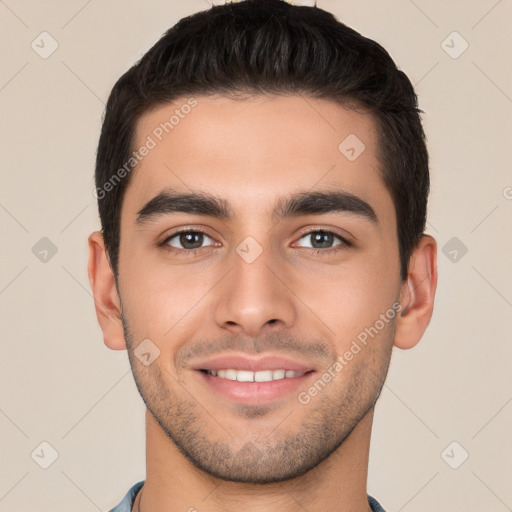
170,201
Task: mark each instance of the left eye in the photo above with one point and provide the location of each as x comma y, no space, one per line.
322,239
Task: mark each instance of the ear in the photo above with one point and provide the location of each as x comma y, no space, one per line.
417,294
106,299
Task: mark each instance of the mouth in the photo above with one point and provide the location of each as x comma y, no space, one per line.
243,379
250,376
248,387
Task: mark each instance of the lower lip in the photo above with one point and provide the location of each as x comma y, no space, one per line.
254,393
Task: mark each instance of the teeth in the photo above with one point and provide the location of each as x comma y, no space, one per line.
248,376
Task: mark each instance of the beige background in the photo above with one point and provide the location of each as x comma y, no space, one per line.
59,384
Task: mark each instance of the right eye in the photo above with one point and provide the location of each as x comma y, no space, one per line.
187,240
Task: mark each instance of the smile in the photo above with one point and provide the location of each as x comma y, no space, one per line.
249,376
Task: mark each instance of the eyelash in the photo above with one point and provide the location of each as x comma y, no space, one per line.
192,252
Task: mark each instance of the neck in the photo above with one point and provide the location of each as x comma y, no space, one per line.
173,483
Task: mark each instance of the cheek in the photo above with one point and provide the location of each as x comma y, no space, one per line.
161,301
350,299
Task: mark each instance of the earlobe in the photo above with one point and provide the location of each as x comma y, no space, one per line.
106,299
417,294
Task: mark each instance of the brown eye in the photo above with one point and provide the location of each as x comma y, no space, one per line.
322,239
187,240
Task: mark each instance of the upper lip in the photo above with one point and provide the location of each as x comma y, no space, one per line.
243,362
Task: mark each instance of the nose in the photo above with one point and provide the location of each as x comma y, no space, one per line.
254,298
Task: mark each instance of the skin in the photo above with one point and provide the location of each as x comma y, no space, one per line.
205,452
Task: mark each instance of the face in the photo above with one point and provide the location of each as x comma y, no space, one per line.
289,267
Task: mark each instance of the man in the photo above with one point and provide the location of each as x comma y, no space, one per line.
262,182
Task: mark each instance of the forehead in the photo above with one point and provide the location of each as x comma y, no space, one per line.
254,150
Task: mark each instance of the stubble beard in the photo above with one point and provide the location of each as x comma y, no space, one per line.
329,419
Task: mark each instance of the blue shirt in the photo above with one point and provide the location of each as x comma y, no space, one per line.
127,503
